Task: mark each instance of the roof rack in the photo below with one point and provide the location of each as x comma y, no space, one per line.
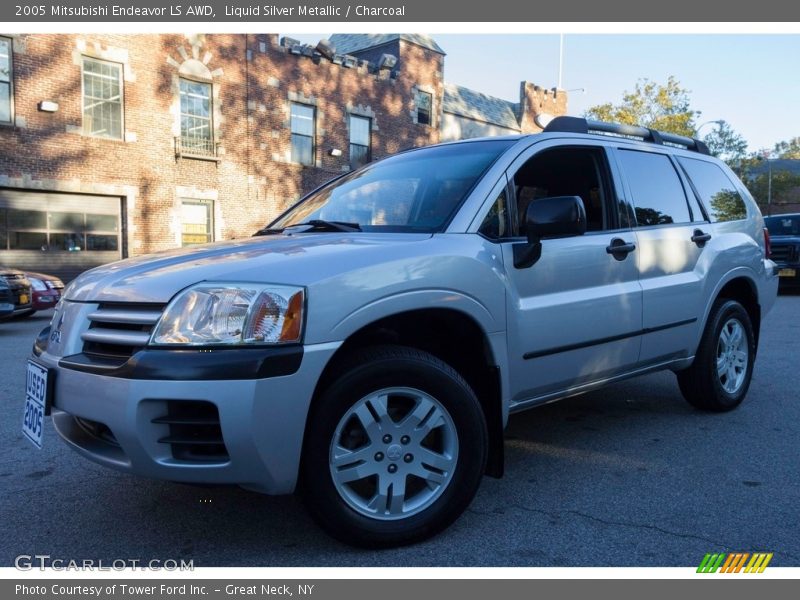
581,125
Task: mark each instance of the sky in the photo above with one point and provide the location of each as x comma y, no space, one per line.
751,81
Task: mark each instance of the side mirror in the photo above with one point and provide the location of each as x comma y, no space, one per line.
549,217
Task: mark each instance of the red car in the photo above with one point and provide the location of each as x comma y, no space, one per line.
46,291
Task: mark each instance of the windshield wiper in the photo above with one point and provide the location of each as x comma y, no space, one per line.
331,225
313,225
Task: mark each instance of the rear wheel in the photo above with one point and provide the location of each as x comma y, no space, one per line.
719,378
395,449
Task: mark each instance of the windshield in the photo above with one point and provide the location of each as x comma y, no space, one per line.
414,191
783,225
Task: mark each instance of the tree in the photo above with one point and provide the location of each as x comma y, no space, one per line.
664,107
788,149
725,143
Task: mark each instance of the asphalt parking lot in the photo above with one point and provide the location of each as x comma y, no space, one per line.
628,476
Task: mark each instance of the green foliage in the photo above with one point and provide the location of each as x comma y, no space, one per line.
665,107
785,187
725,143
788,149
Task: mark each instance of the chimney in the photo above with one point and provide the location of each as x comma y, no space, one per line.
535,101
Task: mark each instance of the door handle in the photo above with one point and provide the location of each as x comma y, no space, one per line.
700,237
619,248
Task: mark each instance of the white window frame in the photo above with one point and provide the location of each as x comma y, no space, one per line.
121,81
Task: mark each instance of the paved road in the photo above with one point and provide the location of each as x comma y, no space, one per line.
629,476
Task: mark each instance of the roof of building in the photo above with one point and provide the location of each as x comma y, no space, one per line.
465,102
348,43
792,165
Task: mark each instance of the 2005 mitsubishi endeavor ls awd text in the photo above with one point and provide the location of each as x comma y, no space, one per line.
368,346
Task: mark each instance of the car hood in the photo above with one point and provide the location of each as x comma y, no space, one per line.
294,259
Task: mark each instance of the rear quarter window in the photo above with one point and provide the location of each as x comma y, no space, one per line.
717,192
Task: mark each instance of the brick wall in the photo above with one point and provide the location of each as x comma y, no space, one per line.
254,80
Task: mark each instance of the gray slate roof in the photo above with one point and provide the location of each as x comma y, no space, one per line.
347,43
465,102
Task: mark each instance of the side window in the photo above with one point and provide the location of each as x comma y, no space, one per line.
715,189
496,223
657,190
566,172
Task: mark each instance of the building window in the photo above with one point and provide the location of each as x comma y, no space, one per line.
360,141
424,107
197,131
58,231
197,222
303,133
6,81
102,98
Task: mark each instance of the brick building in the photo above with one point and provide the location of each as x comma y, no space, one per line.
117,145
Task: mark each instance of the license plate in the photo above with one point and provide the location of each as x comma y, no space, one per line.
38,397
787,273
23,299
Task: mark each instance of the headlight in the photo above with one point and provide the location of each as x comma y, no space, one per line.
232,313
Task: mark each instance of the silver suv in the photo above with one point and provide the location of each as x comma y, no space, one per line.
367,348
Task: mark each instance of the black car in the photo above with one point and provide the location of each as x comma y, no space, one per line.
784,232
6,299
20,289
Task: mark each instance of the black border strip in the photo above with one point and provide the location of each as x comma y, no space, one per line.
606,340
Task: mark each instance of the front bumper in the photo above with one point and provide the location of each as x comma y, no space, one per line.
262,422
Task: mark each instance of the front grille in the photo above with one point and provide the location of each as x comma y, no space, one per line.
118,330
783,253
194,431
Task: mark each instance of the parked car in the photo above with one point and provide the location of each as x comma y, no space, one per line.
784,231
368,346
45,292
6,299
20,289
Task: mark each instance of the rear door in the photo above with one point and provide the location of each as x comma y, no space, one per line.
671,234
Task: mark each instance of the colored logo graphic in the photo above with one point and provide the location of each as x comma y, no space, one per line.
735,562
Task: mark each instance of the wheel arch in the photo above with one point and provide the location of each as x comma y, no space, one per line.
738,285
453,336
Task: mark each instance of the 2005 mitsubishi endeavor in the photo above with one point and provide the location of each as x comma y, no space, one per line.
368,346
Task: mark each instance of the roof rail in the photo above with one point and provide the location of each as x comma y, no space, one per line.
581,125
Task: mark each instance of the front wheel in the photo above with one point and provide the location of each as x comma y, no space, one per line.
395,449
720,375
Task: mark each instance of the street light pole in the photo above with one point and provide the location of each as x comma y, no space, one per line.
769,188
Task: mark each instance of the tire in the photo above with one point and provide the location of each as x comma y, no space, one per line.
395,417
720,375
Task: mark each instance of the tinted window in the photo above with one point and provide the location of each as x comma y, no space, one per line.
495,224
565,172
783,225
656,188
716,190
412,191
